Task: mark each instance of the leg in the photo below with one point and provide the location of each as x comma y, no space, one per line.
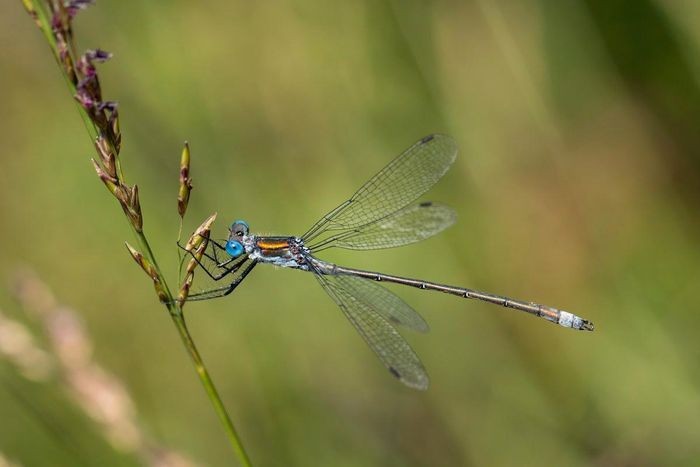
214,256
224,290
223,268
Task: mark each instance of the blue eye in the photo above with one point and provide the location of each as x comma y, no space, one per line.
234,248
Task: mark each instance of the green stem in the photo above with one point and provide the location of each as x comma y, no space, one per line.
174,309
179,320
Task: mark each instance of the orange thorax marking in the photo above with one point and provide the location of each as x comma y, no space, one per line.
273,244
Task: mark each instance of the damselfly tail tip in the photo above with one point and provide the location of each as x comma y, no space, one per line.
570,320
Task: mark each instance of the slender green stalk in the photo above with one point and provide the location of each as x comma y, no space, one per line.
179,320
53,17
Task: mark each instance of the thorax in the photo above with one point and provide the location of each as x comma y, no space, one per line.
288,252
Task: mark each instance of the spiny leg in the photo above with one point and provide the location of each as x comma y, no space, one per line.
215,245
224,290
229,266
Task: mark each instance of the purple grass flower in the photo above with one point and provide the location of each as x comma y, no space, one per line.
110,106
84,98
86,63
97,55
74,6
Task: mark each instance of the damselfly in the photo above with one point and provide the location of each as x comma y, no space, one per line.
383,213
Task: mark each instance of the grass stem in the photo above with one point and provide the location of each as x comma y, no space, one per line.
54,20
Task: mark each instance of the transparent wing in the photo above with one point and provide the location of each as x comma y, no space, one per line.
396,186
379,334
384,302
409,225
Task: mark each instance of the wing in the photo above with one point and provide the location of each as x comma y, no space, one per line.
396,186
382,301
380,335
409,225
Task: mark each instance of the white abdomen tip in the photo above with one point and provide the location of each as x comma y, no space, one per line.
570,320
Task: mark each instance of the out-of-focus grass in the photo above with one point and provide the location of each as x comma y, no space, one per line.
576,186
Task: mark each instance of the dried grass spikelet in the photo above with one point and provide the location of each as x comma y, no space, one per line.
101,117
201,234
196,245
31,9
101,114
183,195
150,270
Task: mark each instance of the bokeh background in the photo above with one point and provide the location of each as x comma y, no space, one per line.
577,185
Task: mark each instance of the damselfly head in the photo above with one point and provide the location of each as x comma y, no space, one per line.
236,233
238,229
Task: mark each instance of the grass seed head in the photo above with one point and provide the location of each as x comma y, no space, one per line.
183,195
185,289
128,196
74,6
81,73
31,9
107,156
196,245
116,131
150,270
197,256
200,234
110,182
141,260
134,209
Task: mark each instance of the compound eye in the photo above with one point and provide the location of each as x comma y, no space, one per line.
239,228
234,248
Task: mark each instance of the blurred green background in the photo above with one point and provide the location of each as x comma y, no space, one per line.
577,185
